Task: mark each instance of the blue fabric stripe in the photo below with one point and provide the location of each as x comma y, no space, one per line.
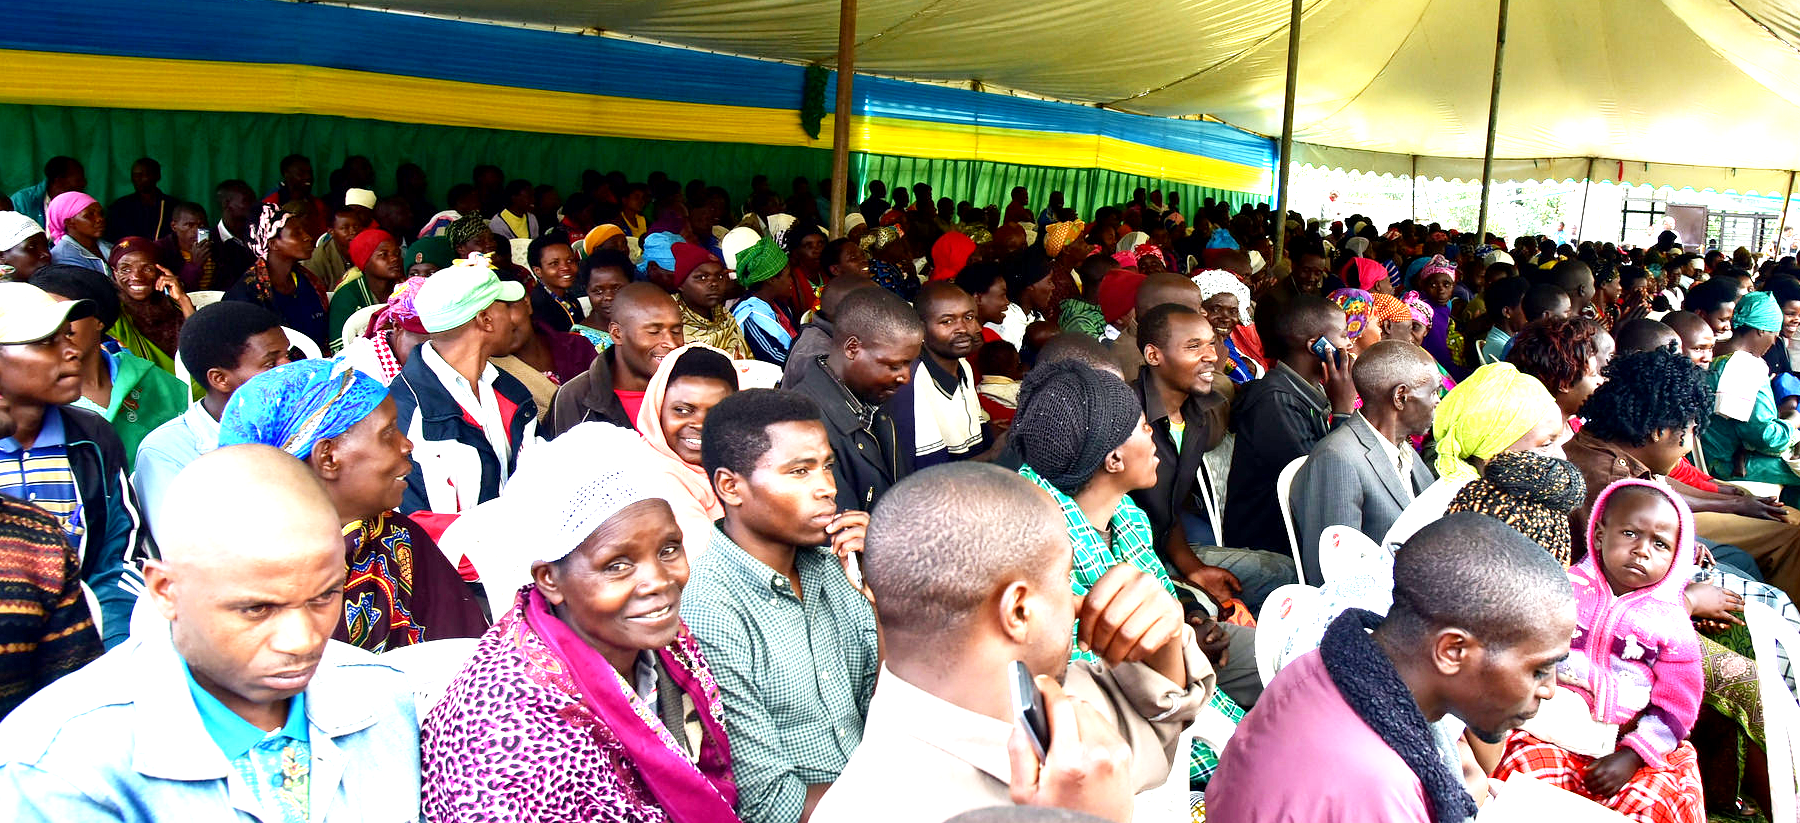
269,31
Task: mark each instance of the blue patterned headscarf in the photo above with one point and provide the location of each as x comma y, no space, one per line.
659,248
293,407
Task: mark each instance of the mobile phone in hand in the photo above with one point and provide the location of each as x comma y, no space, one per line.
1028,708
1322,349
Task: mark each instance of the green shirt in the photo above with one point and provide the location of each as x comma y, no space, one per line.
796,674
1764,437
1133,542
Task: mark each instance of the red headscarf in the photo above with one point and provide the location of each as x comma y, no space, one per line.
362,246
1118,293
949,254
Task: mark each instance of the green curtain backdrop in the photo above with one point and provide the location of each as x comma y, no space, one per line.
983,182
199,149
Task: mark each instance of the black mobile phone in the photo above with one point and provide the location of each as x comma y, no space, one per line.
1028,708
1322,349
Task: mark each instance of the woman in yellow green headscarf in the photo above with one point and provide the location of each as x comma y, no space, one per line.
1497,409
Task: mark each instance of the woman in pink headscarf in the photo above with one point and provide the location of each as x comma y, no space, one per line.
74,222
1367,275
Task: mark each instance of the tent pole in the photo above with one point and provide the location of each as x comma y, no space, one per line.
1782,225
1412,180
1587,185
1287,133
1487,160
840,121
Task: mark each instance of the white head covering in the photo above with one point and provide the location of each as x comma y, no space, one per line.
779,225
16,228
735,241
1358,246
852,220
1219,281
1132,241
1256,261
565,489
359,197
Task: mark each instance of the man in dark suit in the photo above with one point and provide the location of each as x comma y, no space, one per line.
1364,473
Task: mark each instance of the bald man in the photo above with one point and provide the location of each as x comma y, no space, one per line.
1365,472
1157,289
646,326
814,337
971,564
240,702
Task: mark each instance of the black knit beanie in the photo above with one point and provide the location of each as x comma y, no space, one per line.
1070,417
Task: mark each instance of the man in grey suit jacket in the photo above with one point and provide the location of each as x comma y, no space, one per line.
1364,473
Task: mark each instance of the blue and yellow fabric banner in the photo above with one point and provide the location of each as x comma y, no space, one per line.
263,57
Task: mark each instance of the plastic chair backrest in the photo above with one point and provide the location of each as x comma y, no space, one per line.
482,535
202,299
1344,552
756,374
1215,483
1287,607
430,666
1781,711
1284,494
357,323
587,304
306,345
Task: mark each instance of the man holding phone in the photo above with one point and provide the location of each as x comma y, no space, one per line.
971,565
1279,416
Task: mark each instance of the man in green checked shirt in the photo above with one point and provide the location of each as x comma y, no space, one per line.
1084,440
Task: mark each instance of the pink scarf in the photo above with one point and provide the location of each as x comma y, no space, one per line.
66,205
690,795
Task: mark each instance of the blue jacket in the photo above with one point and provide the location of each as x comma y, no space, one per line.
116,542
91,747
454,465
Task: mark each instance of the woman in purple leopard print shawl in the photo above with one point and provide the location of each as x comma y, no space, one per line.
524,733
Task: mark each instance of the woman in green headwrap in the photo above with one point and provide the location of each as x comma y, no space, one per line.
1497,409
765,314
1745,438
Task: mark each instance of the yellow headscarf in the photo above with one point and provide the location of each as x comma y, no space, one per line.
600,234
1484,414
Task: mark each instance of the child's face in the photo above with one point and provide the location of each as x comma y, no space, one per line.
1637,539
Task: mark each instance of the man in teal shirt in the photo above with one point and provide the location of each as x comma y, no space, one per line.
230,700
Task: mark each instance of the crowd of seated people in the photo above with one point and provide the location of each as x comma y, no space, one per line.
648,502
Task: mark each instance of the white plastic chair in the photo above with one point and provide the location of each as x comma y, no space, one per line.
755,374
202,299
1287,607
1284,493
1215,482
587,304
357,323
306,345
1345,552
484,535
430,666
1781,711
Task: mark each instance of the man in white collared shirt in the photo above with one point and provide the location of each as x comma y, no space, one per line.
222,346
1365,472
467,419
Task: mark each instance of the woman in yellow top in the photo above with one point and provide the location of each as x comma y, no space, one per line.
152,303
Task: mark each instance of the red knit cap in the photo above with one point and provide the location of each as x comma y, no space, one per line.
687,258
1118,293
364,243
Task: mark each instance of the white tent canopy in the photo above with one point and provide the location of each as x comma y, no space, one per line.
1701,93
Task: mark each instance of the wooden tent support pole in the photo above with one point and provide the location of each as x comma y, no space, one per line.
1587,185
840,119
1487,159
1287,134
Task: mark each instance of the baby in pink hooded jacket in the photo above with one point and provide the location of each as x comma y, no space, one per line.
1635,656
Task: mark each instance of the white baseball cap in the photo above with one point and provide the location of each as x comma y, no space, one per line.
359,197
29,314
